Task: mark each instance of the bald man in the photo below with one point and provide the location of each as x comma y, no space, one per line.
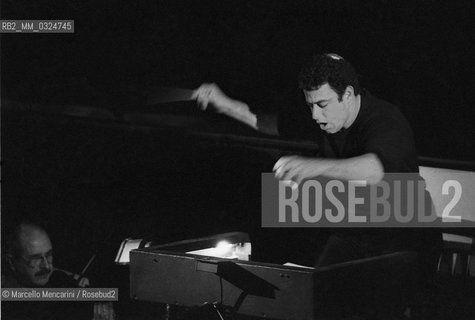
30,258
30,261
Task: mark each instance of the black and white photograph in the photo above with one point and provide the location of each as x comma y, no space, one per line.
282,160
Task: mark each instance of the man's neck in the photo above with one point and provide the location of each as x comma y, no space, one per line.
355,110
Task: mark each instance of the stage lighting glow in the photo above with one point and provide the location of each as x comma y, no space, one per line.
224,248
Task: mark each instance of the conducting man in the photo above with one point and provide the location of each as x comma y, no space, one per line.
361,138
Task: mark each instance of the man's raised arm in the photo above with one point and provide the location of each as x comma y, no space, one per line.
209,94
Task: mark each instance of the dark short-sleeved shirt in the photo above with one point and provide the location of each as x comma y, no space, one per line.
379,128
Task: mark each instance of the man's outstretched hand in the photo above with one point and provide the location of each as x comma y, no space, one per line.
209,94
297,168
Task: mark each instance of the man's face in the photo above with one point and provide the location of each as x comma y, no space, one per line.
327,111
33,264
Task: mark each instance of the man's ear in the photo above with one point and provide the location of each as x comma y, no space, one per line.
349,92
9,258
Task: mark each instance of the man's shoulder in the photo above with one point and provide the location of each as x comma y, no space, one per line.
9,281
377,103
381,110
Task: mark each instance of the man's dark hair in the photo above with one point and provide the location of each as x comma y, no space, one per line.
329,68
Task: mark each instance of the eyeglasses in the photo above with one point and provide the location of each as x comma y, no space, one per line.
36,260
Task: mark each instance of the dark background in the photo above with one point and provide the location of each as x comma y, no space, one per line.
94,182
416,54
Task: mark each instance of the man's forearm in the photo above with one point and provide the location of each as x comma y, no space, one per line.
265,123
365,167
211,94
241,112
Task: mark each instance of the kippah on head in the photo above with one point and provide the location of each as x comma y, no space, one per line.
331,69
334,56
